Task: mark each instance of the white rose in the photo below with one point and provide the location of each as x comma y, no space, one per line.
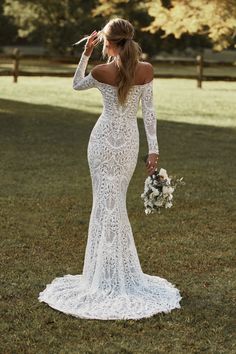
168,205
146,189
167,190
168,179
147,211
163,173
151,195
158,203
170,197
155,191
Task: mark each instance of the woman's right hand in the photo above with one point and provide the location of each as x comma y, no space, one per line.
92,41
151,163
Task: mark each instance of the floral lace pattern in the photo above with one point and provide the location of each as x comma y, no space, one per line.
112,284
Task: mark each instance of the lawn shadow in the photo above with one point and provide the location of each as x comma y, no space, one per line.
35,134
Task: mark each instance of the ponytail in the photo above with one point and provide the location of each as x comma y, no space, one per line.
121,32
129,55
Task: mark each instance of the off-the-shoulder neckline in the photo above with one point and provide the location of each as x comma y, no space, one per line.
104,83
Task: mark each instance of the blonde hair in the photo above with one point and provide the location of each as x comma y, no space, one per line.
120,32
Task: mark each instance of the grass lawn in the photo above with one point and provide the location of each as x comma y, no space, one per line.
46,200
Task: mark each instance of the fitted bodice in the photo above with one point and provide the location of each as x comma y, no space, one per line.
111,105
114,111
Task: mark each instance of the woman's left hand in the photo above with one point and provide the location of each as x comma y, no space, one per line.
92,41
151,163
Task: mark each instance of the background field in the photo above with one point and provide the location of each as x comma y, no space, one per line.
46,200
161,68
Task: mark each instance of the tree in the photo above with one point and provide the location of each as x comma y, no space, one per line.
215,19
8,31
159,24
136,13
57,23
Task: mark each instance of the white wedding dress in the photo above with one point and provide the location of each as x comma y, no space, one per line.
112,285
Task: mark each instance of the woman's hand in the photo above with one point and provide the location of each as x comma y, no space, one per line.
92,41
151,163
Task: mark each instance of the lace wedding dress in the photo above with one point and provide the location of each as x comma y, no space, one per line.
112,284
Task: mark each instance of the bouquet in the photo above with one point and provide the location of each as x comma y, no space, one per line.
158,191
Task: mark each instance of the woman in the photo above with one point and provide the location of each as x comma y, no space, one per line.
112,285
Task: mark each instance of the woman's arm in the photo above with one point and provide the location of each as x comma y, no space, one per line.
150,124
80,81
149,118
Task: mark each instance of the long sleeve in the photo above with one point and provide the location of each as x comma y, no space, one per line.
80,81
149,118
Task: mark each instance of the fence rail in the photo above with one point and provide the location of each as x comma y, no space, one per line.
199,63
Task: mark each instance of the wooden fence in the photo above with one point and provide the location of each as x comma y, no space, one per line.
199,63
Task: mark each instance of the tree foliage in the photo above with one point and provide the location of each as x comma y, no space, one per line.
7,28
215,19
158,23
59,23
136,13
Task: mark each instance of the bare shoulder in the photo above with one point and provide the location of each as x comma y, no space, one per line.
146,71
104,72
98,71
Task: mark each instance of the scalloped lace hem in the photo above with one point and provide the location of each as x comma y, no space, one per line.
68,294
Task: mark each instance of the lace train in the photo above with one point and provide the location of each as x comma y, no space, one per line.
69,294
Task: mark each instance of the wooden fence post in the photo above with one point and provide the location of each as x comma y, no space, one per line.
200,63
16,63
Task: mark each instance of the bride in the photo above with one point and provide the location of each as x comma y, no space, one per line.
112,285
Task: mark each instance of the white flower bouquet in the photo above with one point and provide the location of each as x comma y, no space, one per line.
158,191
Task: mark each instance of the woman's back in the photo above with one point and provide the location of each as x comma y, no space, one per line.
108,73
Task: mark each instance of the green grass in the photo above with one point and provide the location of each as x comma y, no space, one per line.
46,200
175,100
